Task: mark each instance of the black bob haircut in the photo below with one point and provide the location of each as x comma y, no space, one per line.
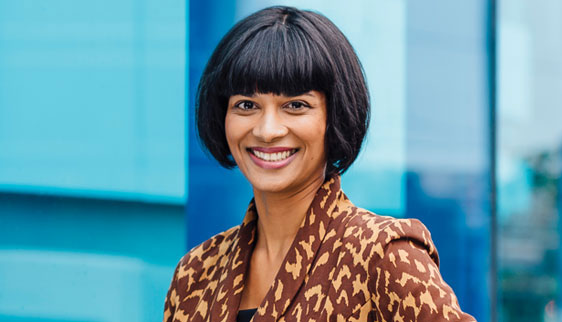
284,50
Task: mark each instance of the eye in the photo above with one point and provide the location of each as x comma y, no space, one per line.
297,105
245,105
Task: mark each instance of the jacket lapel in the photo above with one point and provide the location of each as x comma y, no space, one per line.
298,261
225,305
295,266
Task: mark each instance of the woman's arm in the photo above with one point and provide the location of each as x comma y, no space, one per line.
408,285
171,298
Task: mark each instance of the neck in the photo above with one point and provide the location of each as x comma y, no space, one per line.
281,215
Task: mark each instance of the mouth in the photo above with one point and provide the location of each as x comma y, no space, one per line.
272,154
272,158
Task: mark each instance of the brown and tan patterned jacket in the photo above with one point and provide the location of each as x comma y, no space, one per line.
345,264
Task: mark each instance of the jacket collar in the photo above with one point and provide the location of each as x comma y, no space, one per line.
294,268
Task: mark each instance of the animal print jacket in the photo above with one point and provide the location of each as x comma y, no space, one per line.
345,264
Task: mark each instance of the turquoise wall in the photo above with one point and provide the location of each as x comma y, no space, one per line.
92,98
92,158
77,259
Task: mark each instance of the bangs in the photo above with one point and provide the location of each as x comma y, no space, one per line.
277,59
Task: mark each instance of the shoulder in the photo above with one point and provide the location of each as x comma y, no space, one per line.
205,253
403,268
382,231
198,268
205,256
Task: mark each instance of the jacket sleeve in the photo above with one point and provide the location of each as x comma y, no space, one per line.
408,284
171,298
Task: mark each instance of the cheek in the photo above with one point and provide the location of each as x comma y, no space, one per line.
321,137
235,129
320,130
322,143
315,138
230,132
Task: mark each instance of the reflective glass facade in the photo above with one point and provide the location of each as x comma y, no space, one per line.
529,160
92,158
92,98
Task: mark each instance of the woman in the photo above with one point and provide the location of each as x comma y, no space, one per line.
283,97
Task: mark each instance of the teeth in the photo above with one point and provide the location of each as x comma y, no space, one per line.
274,157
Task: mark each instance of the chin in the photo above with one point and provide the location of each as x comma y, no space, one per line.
271,184
286,180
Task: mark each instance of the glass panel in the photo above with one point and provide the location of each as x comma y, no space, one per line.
92,98
529,159
72,259
448,152
92,105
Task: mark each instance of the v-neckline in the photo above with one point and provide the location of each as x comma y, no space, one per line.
294,267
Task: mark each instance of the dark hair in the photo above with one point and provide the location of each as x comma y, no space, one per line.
283,50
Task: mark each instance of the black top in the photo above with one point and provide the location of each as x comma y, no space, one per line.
245,315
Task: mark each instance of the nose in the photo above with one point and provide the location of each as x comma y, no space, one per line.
269,127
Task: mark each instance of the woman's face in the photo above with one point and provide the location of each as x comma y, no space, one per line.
278,141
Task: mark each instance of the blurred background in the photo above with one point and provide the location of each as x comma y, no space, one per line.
104,186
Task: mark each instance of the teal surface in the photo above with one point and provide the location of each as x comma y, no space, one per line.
69,259
92,158
92,98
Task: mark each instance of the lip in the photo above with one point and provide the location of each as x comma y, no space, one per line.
274,149
271,164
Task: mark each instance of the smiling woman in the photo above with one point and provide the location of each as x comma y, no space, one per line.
284,98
